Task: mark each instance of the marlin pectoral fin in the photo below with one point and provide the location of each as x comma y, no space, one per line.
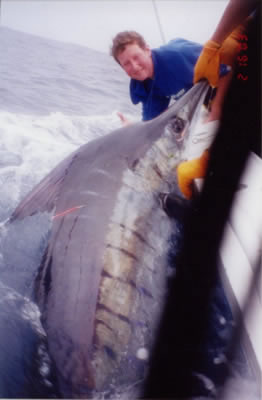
43,196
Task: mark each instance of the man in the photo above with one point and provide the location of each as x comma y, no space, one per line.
158,75
161,74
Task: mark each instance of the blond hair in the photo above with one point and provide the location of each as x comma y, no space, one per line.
123,39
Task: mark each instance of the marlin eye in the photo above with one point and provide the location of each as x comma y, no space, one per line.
177,124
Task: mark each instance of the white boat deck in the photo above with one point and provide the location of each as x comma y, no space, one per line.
240,254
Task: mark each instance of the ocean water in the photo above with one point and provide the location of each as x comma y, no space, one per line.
54,97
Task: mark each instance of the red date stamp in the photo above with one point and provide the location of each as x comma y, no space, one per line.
242,58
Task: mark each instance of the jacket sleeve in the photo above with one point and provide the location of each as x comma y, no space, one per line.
152,109
152,103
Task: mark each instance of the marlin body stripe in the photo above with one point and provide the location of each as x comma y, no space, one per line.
132,282
102,281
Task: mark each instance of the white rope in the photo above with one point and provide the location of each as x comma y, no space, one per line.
158,22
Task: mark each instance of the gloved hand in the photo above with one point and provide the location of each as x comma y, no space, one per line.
187,171
213,55
207,65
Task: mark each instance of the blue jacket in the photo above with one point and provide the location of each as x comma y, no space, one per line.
173,76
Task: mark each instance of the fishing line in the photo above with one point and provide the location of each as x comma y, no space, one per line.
158,22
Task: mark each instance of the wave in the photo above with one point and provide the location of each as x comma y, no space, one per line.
32,145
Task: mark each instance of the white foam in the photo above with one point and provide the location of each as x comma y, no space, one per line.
34,144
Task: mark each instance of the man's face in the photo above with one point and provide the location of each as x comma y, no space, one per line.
137,62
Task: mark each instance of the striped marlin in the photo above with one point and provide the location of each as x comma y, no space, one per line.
102,281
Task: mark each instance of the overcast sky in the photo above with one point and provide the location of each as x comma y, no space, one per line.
94,23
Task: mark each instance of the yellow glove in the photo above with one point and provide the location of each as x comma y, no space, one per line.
207,65
213,55
231,46
187,171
